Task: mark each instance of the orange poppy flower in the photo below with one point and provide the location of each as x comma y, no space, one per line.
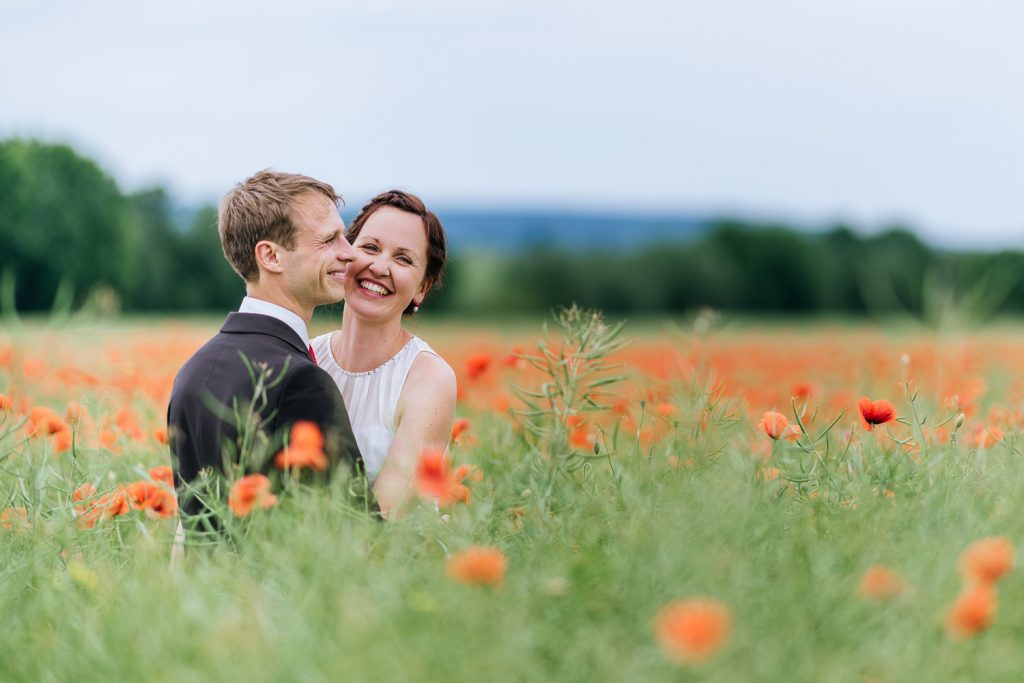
62,440
163,474
693,631
773,424
14,518
882,583
987,560
161,435
108,439
116,503
86,490
666,410
305,450
875,412
139,493
5,402
162,503
74,412
477,565
973,610
43,421
471,471
985,437
250,492
458,428
477,364
435,480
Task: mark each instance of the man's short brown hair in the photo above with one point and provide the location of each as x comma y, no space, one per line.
263,207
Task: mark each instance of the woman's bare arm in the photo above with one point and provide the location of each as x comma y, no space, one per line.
424,417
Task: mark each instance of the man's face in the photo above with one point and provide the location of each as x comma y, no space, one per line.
314,269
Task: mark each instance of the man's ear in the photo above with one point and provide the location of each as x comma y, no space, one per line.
267,256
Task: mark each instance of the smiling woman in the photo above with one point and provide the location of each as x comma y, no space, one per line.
399,392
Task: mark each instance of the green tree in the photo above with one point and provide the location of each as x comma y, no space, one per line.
61,221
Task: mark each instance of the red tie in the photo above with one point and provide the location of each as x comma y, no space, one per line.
312,355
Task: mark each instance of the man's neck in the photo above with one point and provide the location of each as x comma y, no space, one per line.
278,298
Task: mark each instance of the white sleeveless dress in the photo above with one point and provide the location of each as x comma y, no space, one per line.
371,397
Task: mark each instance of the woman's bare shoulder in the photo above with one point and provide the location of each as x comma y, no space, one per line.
433,370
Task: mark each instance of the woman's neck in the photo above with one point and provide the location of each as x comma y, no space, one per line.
362,345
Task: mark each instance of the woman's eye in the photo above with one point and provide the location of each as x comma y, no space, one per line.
369,247
406,260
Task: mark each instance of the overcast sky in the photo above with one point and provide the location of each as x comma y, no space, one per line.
864,110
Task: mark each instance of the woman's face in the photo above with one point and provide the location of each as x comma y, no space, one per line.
391,260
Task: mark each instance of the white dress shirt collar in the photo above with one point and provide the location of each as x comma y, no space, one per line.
289,318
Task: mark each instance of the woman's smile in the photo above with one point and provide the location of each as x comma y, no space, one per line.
374,288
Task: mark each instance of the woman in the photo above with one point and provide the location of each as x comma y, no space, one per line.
399,393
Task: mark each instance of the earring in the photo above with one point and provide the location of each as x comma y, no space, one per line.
415,308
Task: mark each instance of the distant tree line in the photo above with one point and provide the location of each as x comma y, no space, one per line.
67,230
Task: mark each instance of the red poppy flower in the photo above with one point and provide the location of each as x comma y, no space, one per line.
875,412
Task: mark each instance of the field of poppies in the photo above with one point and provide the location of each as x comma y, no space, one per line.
684,500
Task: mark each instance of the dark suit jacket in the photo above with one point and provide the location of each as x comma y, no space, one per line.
216,375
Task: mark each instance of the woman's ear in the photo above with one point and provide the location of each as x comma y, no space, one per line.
422,294
267,256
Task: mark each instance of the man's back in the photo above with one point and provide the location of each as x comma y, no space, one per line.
215,390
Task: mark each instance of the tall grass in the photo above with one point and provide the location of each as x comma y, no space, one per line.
312,592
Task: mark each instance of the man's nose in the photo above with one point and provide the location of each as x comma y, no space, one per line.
346,252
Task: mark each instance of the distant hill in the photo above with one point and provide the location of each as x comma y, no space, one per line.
513,230
506,230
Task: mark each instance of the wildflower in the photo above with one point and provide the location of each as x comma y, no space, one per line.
802,391
5,402
476,365
163,474
139,493
973,611
250,492
161,435
14,518
116,503
108,439
305,450
84,492
987,436
435,480
769,474
43,421
458,428
62,440
693,631
987,560
881,583
162,503
875,412
483,566
74,413
471,471
666,410
773,424
515,358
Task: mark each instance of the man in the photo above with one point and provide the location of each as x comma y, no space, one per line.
283,235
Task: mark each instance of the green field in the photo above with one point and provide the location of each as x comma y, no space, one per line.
685,498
